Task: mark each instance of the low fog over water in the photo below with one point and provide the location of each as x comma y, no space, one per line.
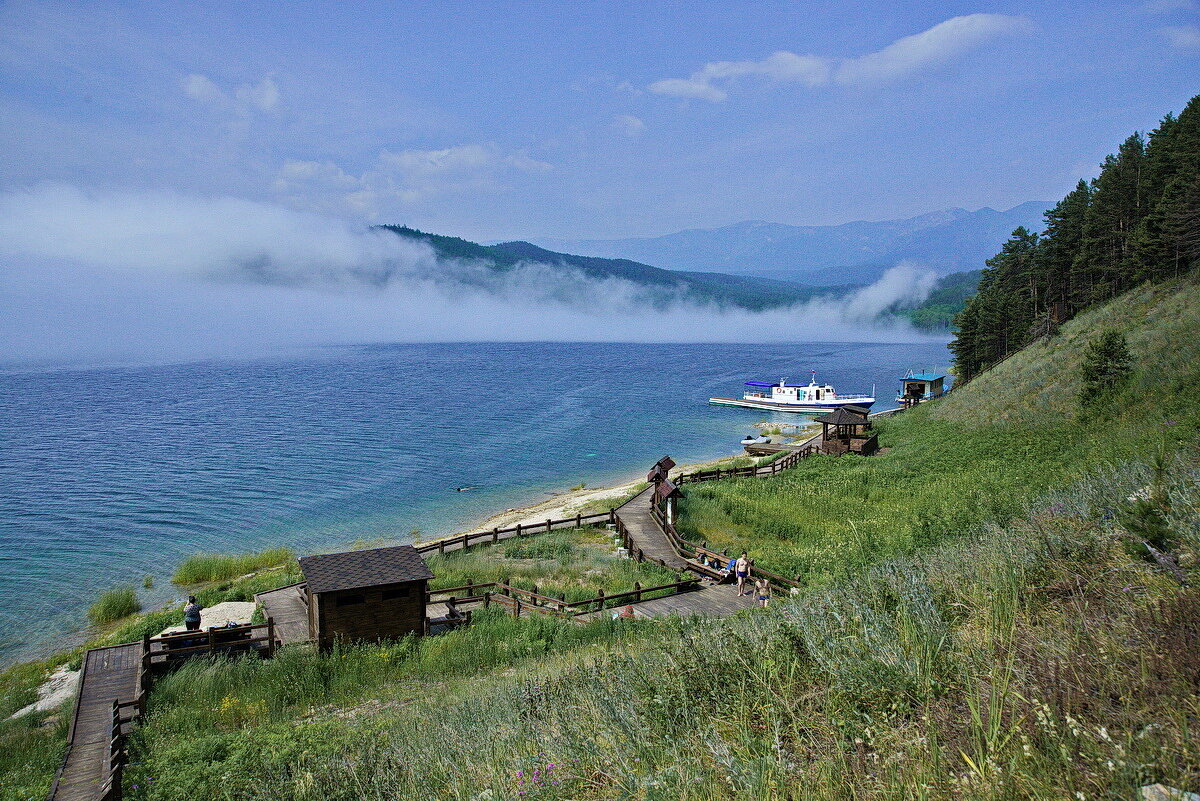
132,277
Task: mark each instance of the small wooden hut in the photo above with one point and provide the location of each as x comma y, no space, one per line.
365,595
845,431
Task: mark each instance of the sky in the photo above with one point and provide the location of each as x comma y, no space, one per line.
498,121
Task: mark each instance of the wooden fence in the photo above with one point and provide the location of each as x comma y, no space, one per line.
519,600
773,468
465,541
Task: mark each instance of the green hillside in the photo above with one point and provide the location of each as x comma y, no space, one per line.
948,298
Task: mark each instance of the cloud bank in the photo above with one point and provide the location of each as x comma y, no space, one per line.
902,59
127,277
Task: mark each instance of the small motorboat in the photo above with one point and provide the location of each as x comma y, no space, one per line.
761,439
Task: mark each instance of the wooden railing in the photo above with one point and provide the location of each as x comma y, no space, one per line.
216,640
465,541
519,600
770,469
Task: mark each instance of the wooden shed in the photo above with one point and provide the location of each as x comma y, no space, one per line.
366,595
666,496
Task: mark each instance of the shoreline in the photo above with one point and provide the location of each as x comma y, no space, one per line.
566,504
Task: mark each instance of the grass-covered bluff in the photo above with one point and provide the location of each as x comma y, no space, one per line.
979,628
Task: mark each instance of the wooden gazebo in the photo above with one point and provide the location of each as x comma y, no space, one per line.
365,595
847,430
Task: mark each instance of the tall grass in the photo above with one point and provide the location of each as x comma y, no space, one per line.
975,457
1032,661
113,605
203,567
574,564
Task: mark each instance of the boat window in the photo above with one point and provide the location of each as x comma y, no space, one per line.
818,394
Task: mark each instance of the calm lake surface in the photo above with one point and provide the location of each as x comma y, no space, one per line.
109,475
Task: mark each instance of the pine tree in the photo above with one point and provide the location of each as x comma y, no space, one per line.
1106,367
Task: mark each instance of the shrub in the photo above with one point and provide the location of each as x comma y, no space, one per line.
203,567
114,604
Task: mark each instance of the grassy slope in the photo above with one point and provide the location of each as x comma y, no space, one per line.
980,454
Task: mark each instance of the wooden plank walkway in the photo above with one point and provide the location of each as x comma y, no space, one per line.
288,608
645,534
108,674
710,600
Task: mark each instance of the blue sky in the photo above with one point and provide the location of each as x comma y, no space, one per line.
520,120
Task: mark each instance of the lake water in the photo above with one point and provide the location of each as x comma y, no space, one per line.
109,475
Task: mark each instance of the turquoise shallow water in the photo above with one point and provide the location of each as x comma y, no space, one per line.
108,475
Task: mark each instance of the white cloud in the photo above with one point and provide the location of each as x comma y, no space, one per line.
1184,37
199,87
629,124
262,96
405,177
903,58
939,45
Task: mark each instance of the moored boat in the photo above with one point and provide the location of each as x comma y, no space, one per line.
783,397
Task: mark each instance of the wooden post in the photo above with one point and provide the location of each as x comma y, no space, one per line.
600,601
517,608
637,592
270,636
487,599
496,534
548,526
535,589
441,546
578,520
519,530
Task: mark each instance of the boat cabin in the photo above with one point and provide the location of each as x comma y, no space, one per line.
918,387
785,393
373,594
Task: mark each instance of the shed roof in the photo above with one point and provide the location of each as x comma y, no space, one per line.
330,572
841,417
666,463
861,411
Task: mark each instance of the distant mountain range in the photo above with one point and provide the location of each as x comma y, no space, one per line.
662,286
947,241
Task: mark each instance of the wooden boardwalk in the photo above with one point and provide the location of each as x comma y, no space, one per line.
108,674
289,609
645,533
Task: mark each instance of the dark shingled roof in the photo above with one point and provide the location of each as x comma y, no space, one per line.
861,411
665,490
329,572
841,417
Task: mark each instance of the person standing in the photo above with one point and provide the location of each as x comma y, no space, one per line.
742,570
762,592
191,614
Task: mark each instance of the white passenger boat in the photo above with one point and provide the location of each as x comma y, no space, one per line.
783,397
